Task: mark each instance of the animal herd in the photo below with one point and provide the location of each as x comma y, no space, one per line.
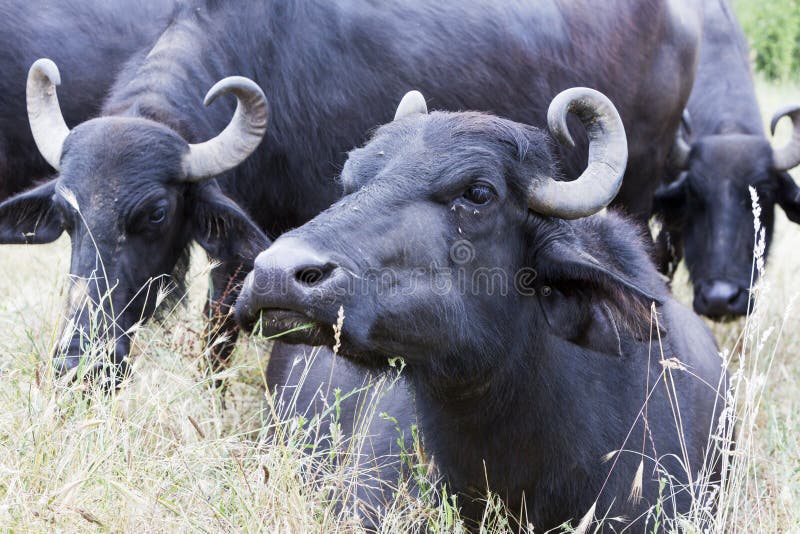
292,141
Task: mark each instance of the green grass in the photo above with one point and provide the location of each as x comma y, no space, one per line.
165,455
773,31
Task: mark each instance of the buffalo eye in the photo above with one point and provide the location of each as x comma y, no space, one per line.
157,215
479,194
149,216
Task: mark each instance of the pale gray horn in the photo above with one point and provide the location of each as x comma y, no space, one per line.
239,139
789,156
681,149
608,155
44,114
412,102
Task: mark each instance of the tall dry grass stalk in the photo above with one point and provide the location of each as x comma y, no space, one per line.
736,503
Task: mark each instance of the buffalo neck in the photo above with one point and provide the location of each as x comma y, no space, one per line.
528,423
167,80
517,413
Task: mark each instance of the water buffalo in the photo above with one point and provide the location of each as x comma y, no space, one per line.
90,39
328,68
707,209
110,233
530,329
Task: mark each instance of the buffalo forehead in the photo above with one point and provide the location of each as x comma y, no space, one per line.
735,155
439,149
122,149
110,165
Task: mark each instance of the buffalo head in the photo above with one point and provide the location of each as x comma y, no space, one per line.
452,225
132,194
709,210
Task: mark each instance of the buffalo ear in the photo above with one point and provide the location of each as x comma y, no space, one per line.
669,201
587,298
789,196
592,325
223,229
30,217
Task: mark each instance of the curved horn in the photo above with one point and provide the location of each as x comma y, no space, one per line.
44,114
686,122
412,102
608,155
789,156
239,139
679,155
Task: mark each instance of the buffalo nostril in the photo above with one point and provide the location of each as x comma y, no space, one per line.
720,298
722,292
314,274
734,296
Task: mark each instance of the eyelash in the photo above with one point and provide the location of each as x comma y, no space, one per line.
479,194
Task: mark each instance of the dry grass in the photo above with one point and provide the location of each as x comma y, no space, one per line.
772,500
164,454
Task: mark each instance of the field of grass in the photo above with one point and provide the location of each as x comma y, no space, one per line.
165,454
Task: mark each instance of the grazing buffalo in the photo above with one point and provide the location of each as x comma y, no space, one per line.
90,39
537,340
328,68
707,209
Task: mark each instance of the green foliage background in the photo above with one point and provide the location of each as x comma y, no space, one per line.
773,29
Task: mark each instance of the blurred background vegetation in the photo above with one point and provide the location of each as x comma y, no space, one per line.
773,29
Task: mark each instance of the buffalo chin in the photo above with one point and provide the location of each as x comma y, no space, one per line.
297,328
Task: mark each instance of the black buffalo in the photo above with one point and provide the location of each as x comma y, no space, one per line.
707,210
90,39
532,337
328,68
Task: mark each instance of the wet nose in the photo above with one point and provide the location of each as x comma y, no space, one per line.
294,264
286,274
719,298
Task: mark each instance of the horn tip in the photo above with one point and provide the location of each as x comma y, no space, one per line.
774,124
46,67
686,121
792,111
412,102
233,84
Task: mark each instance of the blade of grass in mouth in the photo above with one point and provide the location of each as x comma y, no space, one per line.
292,330
259,328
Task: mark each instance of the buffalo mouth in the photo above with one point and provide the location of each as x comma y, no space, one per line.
293,327
297,328
723,317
